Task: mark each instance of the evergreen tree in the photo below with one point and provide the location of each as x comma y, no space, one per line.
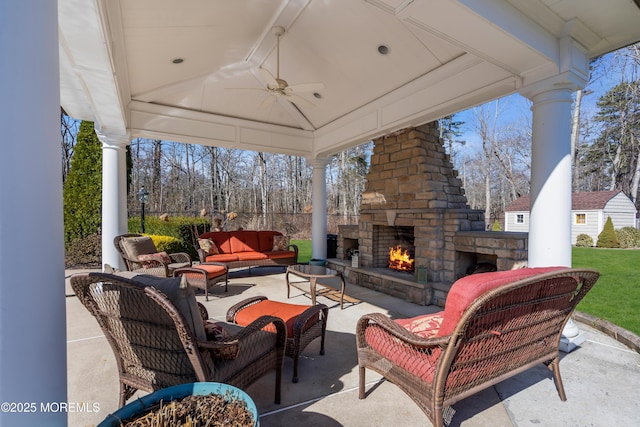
83,187
607,237
615,151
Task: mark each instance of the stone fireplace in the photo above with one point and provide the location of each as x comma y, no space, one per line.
414,199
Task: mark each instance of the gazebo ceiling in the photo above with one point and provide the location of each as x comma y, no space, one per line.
119,63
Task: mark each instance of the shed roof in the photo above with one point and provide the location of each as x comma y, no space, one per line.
579,201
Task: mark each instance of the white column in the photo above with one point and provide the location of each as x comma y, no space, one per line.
319,213
550,219
114,195
33,362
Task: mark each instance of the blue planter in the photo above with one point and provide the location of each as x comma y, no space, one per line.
141,405
320,262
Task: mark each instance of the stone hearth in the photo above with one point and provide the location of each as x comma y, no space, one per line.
411,185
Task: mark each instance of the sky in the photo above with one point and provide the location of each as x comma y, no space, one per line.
517,109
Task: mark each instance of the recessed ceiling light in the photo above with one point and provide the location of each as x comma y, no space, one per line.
177,61
383,49
317,95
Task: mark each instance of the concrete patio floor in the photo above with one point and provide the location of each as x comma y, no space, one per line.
601,377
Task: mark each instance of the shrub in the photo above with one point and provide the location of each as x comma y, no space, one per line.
85,251
185,229
607,237
168,244
628,237
584,241
82,193
496,226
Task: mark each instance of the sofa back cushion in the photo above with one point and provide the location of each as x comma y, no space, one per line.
266,239
469,288
244,241
222,240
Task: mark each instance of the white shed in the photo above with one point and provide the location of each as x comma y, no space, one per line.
589,212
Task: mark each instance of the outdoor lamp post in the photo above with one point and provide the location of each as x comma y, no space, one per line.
143,196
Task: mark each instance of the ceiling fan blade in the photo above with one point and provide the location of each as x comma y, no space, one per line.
268,102
272,83
305,87
298,100
255,89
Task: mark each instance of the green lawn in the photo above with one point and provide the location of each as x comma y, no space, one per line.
616,295
304,250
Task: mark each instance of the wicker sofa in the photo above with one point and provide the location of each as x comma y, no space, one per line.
494,326
247,248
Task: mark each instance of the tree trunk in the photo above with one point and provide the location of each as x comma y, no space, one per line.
575,137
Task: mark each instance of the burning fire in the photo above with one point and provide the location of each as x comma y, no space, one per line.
400,259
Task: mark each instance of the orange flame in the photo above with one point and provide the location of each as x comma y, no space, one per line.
400,259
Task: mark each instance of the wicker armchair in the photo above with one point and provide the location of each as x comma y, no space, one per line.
494,326
158,267
155,344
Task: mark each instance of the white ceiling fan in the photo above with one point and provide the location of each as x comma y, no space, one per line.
278,87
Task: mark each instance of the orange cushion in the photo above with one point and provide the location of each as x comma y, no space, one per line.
221,240
222,258
469,288
248,256
279,254
244,241
211,269
287,312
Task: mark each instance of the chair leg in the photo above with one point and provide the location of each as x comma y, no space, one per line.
361,391
555,368
126,391
278,384
295,368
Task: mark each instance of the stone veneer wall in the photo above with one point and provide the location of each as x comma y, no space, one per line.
411,182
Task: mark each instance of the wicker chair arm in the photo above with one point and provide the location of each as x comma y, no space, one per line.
234,309
203,311
294,248
310,313
228,348
259,324
180,257
223,344
202,255
399,332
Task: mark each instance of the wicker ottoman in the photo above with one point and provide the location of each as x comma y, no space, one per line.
203,276
304,322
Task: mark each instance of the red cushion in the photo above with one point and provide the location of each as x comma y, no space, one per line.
287,312
221,258
266,239
244,241
421,364
426,325
469,288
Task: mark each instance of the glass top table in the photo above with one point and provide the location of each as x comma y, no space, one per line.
311,274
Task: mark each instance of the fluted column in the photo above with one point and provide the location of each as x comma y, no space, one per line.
319,213
33,351
114,195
